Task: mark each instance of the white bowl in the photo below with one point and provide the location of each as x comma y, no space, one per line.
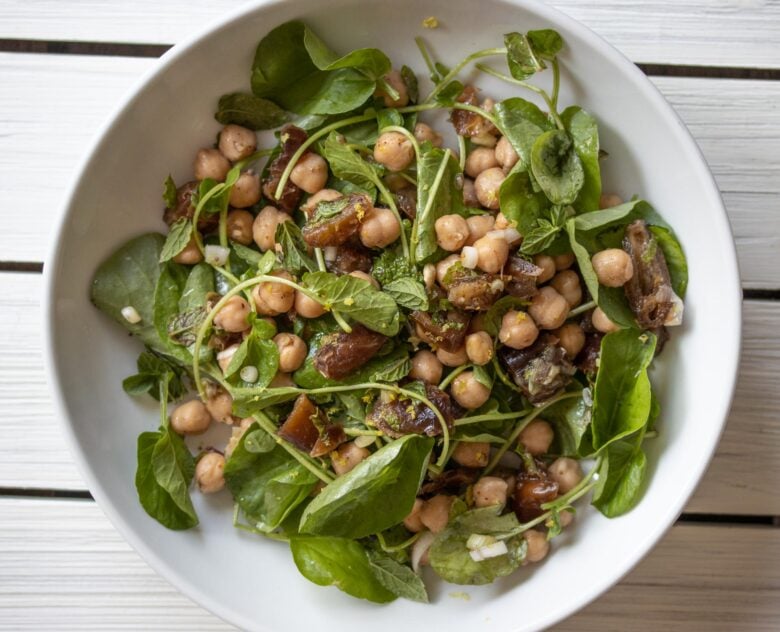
252,582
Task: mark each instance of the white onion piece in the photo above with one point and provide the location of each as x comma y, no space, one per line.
131,315
675,316
587,396
363,441
497,234
491,550
228,353
249,374
420,548
496,285
512,235
477,541
330,252
216,255
469,257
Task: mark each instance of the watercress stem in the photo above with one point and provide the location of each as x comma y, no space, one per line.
434,188
358,432
452,375
464,421
488,52
390,201
556,70
389,90
223,241
426,57
461,153
581,309
397,547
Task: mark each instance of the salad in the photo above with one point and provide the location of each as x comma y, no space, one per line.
422,353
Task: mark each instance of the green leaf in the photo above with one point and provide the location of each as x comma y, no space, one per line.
268,484
522,59
522,122
539,238
520,203
169,192
449,94
152,370
584,132
622,393
391,266
546,43
556,167
357,299
259,353
387,117
372,62
412,87
493,316
348,165
570,418
295,256
408,293
338,562
482,375
621,478
675,258
172,510
249,256
398,578
200,283
176,241
393,370
249,111
377,494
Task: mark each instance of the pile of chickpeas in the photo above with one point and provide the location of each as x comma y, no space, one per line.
481,242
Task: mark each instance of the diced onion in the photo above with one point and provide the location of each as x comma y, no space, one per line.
496,285
420,548
131,315
228,353
216,255
363,441
249,374
587,396
491,550
512,235
330,252
469,257
477,541
675,316
497,234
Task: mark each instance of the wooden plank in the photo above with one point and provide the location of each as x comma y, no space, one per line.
725,33
62,566
735,123
744,477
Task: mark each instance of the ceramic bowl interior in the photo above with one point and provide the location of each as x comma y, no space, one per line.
252,582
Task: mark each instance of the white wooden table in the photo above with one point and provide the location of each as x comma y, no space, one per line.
63,66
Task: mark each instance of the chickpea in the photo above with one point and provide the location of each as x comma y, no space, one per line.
443,266
608,200
307,307
323,195
613,267
396,81
435,513
567,284
566,472
190,255
365,276
426,367
394,151
479,160
210,163
310,173
347,456
571,338
380,228
429,275
547,264
412,522
225,356
220,407
468,392
489,491
272,299
564,262
239,226
233,315
452,231
265,225
505,154
602,322
471,453
210,472
190,418
538,546
470,193
452,359
486,187
236,142
548,308
537,437
518,330
479,347
492,252
479,226
292,352
246,190
501,221
423,132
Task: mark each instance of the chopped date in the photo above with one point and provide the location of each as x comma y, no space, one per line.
399,416
467,123
475,293
406,199
587,359
343,353
207,222
532,490
337,230
450,482
541,370
350,258
292,138
524,276
309,429
441,329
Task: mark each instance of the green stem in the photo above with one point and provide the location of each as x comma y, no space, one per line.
408,178
320,259
223,241
397,547
488,52
359,432
581,309
426,57
388,89
433,190
390,201
574,493
462,153
556,70
478,110
216,190
228,275
464,421
323,268
452,375
520,427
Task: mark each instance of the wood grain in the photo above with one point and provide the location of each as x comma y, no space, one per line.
735,122
744,477
724,33
64,567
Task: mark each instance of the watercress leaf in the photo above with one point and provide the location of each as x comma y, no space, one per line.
493,316
556,167
539,238
394,370
675,258
167,297
265,481
258,353
332,92
372,62
570,418
248,255
390,266
267,261
621,478
200,283
546,43
483,376
348,165
377,494
295,256
247,402
398,578
584,132
155,500
388,117
622,392
139,384
250,111
173,468
520,204
169,192
356,298
449,94
408,293
339,562
152,370
523,122
412,86
522,59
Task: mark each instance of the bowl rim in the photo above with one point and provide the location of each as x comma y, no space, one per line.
732,313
